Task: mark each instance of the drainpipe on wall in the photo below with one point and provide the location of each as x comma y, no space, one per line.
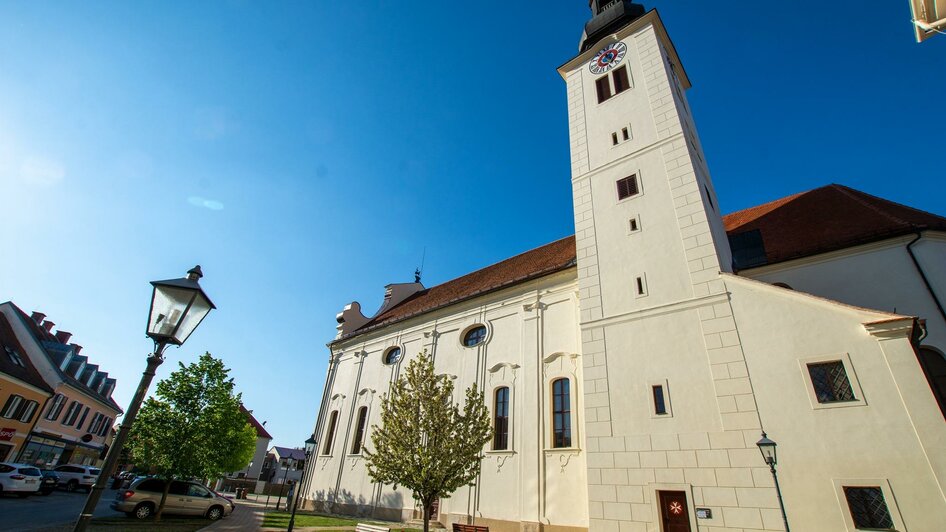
926,281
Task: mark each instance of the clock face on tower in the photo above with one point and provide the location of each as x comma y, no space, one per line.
608,58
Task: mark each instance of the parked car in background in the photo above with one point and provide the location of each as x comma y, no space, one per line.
74,476
21,479
143,495
49,482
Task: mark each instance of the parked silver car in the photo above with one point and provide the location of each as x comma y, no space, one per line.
142,497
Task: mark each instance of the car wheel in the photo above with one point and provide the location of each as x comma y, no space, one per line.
72,485
143,510
214,513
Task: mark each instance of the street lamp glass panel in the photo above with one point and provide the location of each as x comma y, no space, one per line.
767,448
175,312
310,445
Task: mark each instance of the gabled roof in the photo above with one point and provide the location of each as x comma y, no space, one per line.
260,429
286,452
28,373
827,219
538,262
808,223
48,341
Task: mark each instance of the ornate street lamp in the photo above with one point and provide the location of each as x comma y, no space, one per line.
770,455
177,308
309,451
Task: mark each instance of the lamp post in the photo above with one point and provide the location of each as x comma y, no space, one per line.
767,448
309,448
177,308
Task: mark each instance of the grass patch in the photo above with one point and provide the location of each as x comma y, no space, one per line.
281,520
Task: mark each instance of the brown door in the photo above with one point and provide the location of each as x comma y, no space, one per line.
673,511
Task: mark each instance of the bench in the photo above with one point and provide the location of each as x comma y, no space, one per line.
457,527
363,527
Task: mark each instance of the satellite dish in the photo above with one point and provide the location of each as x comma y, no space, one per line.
87,438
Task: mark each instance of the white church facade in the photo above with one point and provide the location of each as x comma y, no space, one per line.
631,369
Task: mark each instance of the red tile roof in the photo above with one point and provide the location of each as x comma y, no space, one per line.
260,429
821,220
827,219
541,261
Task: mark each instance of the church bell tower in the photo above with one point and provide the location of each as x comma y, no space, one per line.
655,313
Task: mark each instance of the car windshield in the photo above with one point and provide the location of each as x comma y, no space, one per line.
30,471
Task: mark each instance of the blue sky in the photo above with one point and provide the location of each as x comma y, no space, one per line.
306,154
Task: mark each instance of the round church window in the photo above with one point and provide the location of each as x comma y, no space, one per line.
474,336
392,355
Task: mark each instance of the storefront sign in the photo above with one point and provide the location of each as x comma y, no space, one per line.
7,434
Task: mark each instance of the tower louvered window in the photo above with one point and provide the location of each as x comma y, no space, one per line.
628,187
621,81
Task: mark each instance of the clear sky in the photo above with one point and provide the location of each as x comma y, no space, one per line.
306,154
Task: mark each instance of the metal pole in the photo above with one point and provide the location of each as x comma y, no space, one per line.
111,459
778,492
282,486
299,487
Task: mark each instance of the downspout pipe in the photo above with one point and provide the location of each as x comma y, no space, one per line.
926,281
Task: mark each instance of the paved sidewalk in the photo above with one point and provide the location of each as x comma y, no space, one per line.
248,515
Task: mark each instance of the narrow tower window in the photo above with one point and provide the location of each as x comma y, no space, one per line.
501,419
330,433
360,430
641,286
621,82
561,414
626,133
634,225
603,85
614,139
660,406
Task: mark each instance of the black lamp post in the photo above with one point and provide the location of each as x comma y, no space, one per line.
309,451
769,454
177,308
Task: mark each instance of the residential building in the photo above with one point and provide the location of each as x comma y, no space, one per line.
73,427
631,370
283,465
23,393
263,438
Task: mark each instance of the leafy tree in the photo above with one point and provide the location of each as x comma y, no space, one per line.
193,427
426,443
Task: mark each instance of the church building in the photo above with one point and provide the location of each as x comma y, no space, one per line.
632,369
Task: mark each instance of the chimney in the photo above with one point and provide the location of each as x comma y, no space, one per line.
48,325
37,317
76,348
63,337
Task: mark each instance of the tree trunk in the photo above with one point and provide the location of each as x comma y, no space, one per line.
164,498
426,516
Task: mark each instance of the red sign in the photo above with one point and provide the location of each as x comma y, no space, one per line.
7,434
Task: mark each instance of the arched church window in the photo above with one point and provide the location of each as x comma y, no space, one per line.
501,419
474,336
561,414
330,433
934,367
359,440
391,356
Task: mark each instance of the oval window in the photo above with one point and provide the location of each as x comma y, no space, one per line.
475,336
393,355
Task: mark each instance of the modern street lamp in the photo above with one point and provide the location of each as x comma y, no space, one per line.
177,308
309,450
769,454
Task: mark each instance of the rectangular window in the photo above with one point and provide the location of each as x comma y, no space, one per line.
28,411
626,133
868,508
561,414
641,286
12,405
72,413
634,225
360,430
501,420
55,408
660,407
621,81
603,85
330,433
96,423
106,425
628,187
82,419
830,382
614,139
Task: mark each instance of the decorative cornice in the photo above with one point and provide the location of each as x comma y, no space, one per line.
892,328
